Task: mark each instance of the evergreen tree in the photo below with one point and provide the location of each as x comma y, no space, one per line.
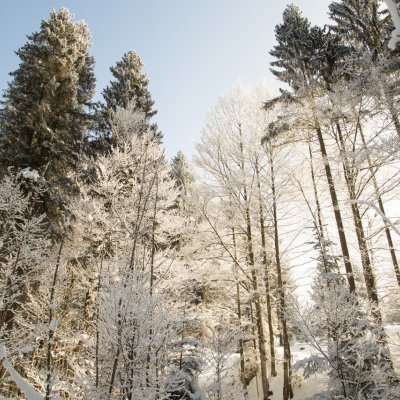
361,26
293,50
306,55
130,85
45,116
302,57
182,173
359,23
349,342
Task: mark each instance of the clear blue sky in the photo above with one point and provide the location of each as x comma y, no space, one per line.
193,50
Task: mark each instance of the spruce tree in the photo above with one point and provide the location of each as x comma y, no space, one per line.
182,173
301,60
360,26
294,49
45,115
359,23
130,85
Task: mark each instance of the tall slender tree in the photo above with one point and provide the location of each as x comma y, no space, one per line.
360,25
298,66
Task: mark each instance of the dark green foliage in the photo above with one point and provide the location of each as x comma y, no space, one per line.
305,54
45,116
365,30
130,86
294,48
358,23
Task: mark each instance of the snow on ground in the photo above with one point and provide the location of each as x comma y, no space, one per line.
303,388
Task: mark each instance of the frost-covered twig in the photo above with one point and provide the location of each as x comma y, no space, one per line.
384,217
392,7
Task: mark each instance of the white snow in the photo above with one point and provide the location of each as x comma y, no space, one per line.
3,352
393,332
305,388
302,388
53,325
29,392
378,211
29,173
395,38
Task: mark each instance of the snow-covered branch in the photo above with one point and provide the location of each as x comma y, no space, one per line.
372,205
392,7
29,392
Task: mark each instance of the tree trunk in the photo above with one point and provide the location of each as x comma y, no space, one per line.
316,197
251,260
267,271
49,378
382,208
287,388
259,318
97,319
393,113
253,331
239,313
338,215
362,243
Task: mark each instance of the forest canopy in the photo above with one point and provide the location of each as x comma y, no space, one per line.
265,267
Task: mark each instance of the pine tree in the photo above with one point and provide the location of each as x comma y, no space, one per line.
361,26
45,116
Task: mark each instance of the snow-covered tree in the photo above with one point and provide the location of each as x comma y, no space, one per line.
45,117
129,87
182,173
24,258
129,230
237,207
222,361
350,345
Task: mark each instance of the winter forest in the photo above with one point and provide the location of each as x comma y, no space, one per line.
265,268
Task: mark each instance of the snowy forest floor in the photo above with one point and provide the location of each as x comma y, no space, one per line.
305,388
